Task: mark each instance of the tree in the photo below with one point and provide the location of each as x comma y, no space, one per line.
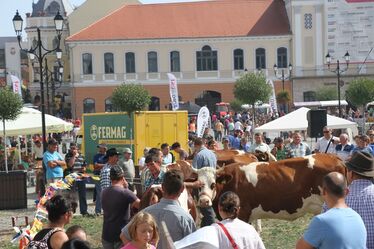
236,105
10,108
360,92
251,88
326,93
130,98
283,97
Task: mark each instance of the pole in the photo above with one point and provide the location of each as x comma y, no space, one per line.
338,71
283,79
47,85
53,96
40,58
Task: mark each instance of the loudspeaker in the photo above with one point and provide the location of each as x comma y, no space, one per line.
317,119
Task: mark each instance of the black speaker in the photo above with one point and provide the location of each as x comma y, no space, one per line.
317,119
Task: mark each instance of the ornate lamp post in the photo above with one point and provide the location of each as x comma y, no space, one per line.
39,52
283,76
338,71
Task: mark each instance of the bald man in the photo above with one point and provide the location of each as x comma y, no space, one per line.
330,229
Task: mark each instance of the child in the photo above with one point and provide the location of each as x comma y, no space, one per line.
143,230
76,232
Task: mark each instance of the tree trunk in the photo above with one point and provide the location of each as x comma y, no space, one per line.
5,152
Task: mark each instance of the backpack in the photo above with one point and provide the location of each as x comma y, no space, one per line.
43,243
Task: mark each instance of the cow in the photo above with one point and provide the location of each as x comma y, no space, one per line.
225,157
286,189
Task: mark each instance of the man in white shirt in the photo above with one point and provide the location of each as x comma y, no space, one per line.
259,144
327,141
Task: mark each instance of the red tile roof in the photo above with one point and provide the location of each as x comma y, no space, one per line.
233,18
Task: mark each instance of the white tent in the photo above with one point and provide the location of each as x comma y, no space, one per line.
297,121
29,122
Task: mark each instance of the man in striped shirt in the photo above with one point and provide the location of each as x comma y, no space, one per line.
112,157
361,190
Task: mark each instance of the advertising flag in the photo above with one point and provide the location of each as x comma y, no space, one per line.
173,88
16,85
202,121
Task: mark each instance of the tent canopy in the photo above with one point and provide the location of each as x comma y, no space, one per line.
297,121
29,122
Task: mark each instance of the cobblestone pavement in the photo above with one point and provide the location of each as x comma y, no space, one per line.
6,215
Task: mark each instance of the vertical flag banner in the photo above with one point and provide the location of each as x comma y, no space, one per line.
16,85
273,99
202,121
173,88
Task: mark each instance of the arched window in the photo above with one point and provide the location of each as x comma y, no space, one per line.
87,63
238,59
260,58
309,96
130,62
109,63
282,57
108,105
174,61
206,59
152,62
88,105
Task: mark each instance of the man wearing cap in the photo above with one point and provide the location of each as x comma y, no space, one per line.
128,167
99,161
279,151
361,190
117,202
112,157
234,140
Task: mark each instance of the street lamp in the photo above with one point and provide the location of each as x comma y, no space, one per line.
36,52
52,77
283,76
338,71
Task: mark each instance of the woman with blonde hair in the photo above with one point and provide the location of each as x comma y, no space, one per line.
143,230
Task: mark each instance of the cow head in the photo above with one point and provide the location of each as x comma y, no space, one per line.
207,175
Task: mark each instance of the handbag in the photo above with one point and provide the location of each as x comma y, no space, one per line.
233,244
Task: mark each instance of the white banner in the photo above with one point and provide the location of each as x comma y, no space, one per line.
202,121
16,85
173,88
273,99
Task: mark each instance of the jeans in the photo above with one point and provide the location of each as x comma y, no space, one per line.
81,187
111,245
98,198
209,217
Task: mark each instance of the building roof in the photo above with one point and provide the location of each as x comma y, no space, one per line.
50,8
235,18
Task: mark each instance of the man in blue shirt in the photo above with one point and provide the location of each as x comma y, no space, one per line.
234,140
99,161
53,162
340,226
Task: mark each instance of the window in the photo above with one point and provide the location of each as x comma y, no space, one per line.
109,63
108,105
282,57
238,59
87,63
206,59
89,106
174,61
152,62
309,96
308,21
260,58
2,58
130,62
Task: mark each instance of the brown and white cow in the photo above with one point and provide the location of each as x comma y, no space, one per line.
286,189
226,157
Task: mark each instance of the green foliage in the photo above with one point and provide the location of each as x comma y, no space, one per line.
360,91
10,105
236,105
327,93
251,88
130,98
283,97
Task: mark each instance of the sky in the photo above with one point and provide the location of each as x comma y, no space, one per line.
9,8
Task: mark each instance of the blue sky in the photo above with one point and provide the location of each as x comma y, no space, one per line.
8,10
